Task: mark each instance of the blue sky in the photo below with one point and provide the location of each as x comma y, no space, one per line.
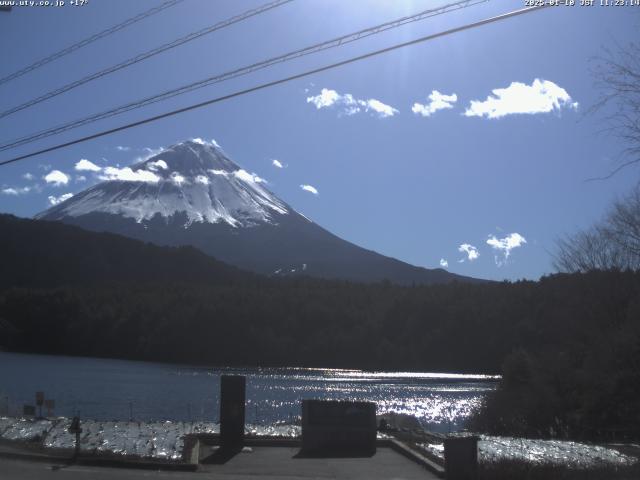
422,183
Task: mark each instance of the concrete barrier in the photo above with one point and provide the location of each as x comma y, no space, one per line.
461,458
338,428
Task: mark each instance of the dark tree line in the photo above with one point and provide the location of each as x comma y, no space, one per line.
568,345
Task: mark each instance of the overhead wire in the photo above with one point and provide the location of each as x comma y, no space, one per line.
146,55
333,43
83,43
273,83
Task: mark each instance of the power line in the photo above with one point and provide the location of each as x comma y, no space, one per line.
91,39
333,43
145,55
279,82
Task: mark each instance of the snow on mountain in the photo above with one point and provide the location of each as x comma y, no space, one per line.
193,194
193,177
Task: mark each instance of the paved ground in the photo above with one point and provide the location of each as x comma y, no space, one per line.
261,462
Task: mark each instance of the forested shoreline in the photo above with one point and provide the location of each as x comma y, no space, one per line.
568,344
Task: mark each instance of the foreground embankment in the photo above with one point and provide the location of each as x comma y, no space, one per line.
166,441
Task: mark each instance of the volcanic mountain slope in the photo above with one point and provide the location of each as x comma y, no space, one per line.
193,194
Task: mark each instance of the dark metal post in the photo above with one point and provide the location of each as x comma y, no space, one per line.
232,410
75,428
39,402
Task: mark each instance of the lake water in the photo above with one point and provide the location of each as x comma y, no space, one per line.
106,389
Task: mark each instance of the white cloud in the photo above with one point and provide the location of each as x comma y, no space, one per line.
470,250
85,165
437,101
28,176
81,178
16,190
178,179
326,98
220,172
21,190
382,109
201,141
149,153
154,166
120,148
444,263
309,188
57,178
277,163
505,245
351,105
128,175
542,96
204,180
248,177
56,200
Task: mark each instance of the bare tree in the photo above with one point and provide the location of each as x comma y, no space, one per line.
614,242
618,78
611,244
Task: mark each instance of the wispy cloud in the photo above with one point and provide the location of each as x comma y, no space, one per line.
148,153
349,105
542,96
471,251
505,245
437,101
444,263
85,165
53,200
56,178
81,178
28,176
128,175
120,148
310,188
16,190
277,163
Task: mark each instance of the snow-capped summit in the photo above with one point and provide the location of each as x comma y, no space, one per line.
193,177
193,194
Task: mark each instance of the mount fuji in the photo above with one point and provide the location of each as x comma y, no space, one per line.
193,194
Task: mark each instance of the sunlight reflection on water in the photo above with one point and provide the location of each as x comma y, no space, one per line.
104,389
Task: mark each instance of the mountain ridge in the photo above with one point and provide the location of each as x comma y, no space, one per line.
193,194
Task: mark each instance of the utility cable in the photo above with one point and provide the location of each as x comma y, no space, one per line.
145,55
91,39
333,43
279,82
